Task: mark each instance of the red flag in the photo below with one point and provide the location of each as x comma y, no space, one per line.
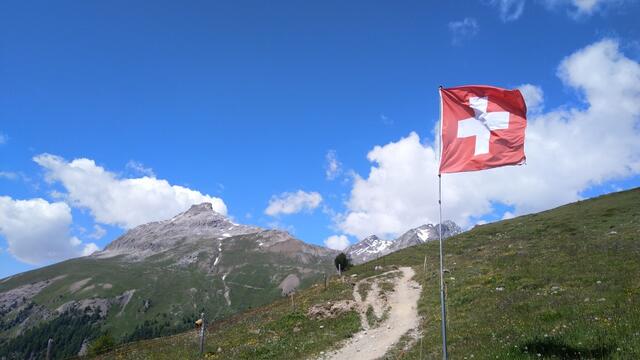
482,127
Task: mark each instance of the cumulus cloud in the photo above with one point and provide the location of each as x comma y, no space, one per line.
293,202
463,29
533,97
38,231
123,202
568,151
333,167
337,242
510,10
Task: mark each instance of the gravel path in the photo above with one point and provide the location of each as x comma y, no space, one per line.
403,316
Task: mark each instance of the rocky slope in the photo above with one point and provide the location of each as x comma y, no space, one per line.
367,249
197,223
372,246
157,278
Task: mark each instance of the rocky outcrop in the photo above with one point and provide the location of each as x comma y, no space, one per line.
99,306
21,295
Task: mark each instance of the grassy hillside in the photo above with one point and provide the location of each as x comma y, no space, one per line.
563,284
166,298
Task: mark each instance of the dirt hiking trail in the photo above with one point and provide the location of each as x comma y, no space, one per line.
401,304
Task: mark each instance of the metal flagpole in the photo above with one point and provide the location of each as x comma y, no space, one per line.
442,297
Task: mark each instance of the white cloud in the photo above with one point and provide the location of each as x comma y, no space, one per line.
38,231
291,203
337,242
582,7
333,167
89,249
9,175
510,10
139,169
587,6
463,29
568,151
533,97
98,232
4,138
124,202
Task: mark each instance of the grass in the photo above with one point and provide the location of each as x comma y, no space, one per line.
363,289
561,284
275,331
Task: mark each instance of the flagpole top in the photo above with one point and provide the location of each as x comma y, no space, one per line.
440,87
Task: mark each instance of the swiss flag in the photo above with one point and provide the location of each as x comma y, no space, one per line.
482,127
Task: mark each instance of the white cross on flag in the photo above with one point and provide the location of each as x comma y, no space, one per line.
482,127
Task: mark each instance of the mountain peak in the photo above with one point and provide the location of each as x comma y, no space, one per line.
198,222
370,238
372,246
199,208
203,214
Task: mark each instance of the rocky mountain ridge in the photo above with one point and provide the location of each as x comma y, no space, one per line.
199,222
372,246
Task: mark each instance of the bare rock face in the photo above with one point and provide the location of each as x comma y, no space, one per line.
197,223
100,306
368,249
372,246
281,242
21,296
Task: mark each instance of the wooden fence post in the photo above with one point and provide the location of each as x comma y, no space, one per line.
202,333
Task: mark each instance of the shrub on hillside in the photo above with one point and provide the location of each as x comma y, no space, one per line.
342,262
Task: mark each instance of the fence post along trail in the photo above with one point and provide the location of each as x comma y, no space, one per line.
474,138
202,332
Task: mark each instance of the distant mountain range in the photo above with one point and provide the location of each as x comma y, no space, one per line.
373,247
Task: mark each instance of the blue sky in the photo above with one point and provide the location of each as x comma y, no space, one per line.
247,101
